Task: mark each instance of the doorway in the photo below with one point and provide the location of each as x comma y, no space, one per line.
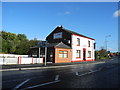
84,53
51,56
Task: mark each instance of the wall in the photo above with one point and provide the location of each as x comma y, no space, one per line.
83,44
65,36
8,60
62,60
31,60
20,60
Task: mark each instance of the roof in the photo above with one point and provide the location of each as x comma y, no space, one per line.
56,45
72,32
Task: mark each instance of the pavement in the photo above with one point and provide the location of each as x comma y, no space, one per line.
48,65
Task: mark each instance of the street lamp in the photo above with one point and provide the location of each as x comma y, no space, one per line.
106,40
46,52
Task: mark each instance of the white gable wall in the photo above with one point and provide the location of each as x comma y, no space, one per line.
83,44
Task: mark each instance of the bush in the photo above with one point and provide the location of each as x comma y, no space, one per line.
101,54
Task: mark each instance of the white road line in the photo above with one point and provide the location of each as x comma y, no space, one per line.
81,74
90,71
19,85
77,73
56,77
84,74
41,85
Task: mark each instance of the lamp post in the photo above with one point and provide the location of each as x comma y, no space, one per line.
39,53
106,40
45,53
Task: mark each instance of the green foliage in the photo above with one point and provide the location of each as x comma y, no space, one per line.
16,44
101,54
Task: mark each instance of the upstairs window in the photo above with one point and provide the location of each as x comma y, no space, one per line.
78,42
88,43
94,45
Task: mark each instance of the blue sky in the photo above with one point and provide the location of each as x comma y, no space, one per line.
38,19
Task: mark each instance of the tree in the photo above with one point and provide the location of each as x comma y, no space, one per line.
103,53
16,44
21,37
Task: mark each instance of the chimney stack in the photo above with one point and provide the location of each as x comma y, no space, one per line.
61,26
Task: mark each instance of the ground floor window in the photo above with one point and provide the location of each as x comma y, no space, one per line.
89,54
34,54
78,53
63,54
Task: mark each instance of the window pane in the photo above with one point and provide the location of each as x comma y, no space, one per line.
89,53
60,51
65,51
78,41
65,56
60,55
89,43
78,53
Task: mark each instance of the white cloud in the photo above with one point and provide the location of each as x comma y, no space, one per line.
63,13
67,12
116,13
111,49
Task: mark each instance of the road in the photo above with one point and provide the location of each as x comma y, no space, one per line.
104,75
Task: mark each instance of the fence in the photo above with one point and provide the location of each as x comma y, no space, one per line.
20,60
8,60
12,56
29,60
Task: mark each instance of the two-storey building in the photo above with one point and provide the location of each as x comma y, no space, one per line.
68,46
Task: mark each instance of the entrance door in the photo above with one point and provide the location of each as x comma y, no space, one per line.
51,56
84,54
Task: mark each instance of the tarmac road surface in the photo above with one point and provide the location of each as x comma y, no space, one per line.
102,75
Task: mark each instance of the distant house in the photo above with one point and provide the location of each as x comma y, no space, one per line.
66,46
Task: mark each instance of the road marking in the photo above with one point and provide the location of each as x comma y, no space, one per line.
56,77
90,71
19,85
81,74
77,73
41,84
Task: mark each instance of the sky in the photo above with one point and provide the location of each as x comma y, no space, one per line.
38,19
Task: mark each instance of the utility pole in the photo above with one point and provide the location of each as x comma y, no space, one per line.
39,53
45,53
106,40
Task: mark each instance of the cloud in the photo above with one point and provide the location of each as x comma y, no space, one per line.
111,49
63,13
67,12
116,13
